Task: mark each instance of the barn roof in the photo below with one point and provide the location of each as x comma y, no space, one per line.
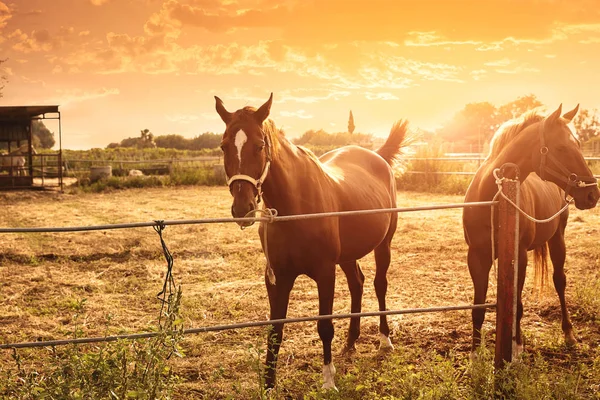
20,113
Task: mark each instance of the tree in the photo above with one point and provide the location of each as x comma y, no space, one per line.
587,124
42,136
146,139
3,78
518,107
476,123
351,123
172,142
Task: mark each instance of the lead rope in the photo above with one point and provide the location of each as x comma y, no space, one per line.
269,213
499,182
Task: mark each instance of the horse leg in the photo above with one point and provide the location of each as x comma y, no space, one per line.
480,262
521,282
382,262
279,296
356,281
326,286
557,248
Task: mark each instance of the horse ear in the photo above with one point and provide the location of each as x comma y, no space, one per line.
263,112
571,114
225,115
554,116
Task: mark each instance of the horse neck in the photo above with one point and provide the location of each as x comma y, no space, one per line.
292,177
518,151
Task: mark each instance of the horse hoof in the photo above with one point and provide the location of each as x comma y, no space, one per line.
385,343
570,341
329,377
474,356
329,387
348,350
518,351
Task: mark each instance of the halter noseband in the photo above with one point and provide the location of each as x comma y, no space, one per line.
257,183
572,180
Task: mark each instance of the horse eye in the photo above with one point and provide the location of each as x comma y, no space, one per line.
260,146
222,147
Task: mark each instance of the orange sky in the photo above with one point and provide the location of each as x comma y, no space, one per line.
118,66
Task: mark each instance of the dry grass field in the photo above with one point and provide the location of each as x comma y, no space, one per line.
45,276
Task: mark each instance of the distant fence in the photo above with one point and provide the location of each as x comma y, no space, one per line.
432,164
81,167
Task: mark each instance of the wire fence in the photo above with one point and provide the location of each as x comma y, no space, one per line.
218,328
159,226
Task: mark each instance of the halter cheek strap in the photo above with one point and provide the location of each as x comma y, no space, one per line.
571,180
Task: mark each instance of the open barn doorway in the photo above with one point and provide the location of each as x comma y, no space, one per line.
22,164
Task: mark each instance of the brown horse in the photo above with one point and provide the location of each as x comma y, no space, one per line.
551,167
261,162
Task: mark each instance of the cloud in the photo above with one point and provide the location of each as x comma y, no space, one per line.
66,97
380,96
507,66
5,14
425,39
40,40
315,96
295,114
499,63
99,2
182,118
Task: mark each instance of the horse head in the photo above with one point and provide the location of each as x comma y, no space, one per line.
560,160
246,155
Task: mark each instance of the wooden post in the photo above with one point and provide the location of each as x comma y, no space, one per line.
508,265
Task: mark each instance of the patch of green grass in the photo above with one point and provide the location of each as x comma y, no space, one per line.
124,369
204,176
587,300
426,173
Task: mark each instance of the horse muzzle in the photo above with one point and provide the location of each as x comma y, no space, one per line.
244,212
587,199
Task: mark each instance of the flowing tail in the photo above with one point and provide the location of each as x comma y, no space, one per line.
392,148
540,260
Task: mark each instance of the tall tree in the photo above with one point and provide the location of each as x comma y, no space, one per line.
351,126
477,122
3,79
42,136
518,107
587,124
474,124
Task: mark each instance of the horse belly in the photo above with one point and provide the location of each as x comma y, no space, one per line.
359,235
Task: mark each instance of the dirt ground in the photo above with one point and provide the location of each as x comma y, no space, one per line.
220,267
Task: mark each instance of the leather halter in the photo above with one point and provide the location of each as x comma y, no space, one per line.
257,183
572,180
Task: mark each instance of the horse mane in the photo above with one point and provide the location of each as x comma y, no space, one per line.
510,129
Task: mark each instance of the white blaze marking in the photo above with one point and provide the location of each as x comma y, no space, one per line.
329,376
240,140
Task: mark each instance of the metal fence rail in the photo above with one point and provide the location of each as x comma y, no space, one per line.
246,219
218,328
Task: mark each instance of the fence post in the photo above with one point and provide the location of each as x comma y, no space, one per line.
508,265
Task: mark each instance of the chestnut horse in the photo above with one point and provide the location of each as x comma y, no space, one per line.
261,162
551,168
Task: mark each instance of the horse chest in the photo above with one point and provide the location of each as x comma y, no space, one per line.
298,244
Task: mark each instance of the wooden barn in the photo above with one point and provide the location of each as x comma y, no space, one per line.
21,166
